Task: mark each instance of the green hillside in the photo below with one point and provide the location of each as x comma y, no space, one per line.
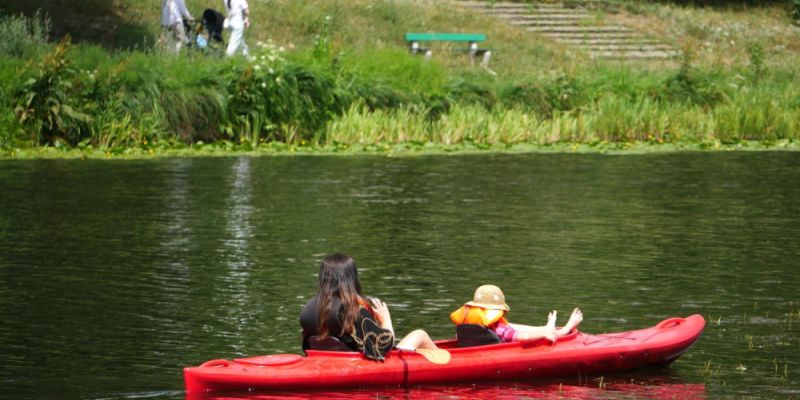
337,72
356,25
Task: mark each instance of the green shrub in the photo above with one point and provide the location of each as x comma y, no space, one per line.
690,86
530,97
283,101
395,68
46,104
564,93
375,95
469,92
22,36
7,120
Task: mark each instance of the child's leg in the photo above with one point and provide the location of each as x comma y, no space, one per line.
527,333
548,331
417,339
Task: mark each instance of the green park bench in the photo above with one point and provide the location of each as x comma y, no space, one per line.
415,41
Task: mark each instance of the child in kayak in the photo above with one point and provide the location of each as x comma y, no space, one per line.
340,310
488,308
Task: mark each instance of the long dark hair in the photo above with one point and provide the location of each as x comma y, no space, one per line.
338,279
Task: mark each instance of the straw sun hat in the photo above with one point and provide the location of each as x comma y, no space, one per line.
489,297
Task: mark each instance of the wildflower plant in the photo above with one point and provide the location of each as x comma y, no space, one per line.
46,105
272,99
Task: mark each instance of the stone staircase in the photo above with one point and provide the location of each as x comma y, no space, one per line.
578,28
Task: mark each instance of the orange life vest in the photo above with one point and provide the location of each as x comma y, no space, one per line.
477,315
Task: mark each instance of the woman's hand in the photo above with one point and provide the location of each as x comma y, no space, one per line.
382,313
381,310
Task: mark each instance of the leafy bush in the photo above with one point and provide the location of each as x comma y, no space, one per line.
564,93
46,105
472,92
374,95
21,35
529,97
795,13
691,87
7,120
285,101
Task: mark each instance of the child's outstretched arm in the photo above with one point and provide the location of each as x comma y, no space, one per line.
574,320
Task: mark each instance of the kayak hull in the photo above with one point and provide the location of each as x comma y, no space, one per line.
577,353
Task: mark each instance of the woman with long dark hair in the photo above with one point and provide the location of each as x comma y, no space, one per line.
341,310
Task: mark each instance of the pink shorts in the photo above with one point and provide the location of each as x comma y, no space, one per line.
505,332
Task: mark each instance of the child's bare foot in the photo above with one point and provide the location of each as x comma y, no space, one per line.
574,319
551,320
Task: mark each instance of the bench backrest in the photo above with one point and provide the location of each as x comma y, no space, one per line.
445,37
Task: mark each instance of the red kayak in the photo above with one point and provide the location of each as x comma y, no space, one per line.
576,353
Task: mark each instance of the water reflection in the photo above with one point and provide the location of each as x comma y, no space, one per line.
237,295
597,390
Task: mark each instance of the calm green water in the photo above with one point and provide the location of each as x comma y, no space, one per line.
115,275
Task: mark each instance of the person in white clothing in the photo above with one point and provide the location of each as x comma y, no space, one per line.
237,13
173,13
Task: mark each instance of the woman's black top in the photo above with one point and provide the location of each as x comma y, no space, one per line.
367,337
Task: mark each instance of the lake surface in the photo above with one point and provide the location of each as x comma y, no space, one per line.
116,275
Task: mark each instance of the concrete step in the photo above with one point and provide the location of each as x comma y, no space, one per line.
573,27
634,54
528,22
528,10
552,17
608,41
587,36
591,30
509,5
534,11
625,47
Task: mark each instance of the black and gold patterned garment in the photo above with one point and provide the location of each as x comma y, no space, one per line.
368,337
371,339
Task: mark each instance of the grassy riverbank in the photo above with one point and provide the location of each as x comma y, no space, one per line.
330,76
386,149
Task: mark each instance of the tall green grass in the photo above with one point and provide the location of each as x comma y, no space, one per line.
610,120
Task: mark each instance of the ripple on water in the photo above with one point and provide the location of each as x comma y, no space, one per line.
114,276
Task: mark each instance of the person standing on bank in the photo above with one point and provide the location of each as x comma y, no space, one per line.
173,12
237,20
340,310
